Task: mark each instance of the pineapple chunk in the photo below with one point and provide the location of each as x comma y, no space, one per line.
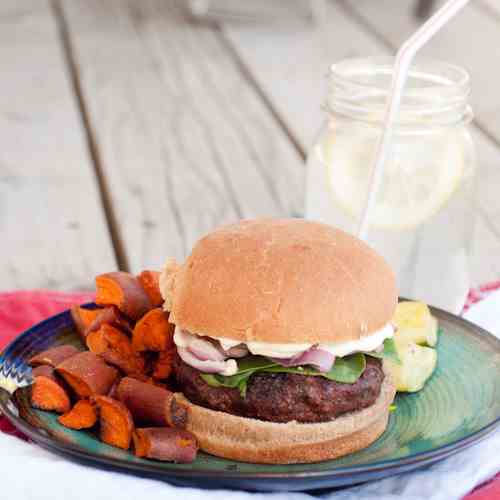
416,367
415,324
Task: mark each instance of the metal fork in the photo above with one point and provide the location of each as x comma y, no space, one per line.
14,372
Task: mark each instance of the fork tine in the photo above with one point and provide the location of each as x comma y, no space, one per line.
14,373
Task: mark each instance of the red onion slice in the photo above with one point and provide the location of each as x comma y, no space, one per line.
238,351
206,366
320,359
205,350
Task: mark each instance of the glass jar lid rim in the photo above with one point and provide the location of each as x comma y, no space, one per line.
440,76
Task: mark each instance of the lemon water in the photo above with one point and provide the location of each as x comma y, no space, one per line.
422,219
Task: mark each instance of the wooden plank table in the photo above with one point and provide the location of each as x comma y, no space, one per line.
53,228
129,130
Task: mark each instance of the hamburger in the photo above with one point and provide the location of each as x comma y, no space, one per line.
281,327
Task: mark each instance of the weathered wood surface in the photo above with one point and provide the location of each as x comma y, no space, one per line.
291,64
296,86
493,5
52,227
189,125
185,141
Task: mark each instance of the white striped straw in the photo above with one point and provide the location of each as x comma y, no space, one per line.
404,58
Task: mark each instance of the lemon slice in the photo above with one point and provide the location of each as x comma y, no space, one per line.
416,183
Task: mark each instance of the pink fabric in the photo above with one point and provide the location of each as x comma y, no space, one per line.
491,489
20,310
487,491
477,294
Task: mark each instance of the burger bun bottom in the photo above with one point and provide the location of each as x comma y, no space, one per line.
256,441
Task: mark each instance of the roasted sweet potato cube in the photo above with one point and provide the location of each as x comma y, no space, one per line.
110,316
47,393
151,405
116,424
96,342
124,291
109,338
115,348
150,281
54,356
87,374
163,365
164,443
82,416
148,380
153,332
129,365
83,318
112,392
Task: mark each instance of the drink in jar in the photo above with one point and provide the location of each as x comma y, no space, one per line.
422,219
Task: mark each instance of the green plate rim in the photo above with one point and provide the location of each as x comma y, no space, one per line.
428,457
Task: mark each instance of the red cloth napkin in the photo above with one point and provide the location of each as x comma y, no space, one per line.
20,310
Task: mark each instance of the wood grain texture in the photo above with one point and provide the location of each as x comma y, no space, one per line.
52,227
291,65
185,142
424,8
493,5
290,62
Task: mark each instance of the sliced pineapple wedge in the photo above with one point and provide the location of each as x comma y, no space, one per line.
416,335
415,324
417,364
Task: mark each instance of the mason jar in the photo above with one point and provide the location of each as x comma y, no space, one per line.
422,219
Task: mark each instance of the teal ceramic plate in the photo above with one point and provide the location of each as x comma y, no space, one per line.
459,406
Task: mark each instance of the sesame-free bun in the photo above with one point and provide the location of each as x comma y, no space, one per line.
256,441
280,281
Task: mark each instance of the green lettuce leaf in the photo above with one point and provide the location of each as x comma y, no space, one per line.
346,370
246,368
389,352
238,381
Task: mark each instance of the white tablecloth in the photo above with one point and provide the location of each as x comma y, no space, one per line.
28,472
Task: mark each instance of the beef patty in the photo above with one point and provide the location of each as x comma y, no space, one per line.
283,397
